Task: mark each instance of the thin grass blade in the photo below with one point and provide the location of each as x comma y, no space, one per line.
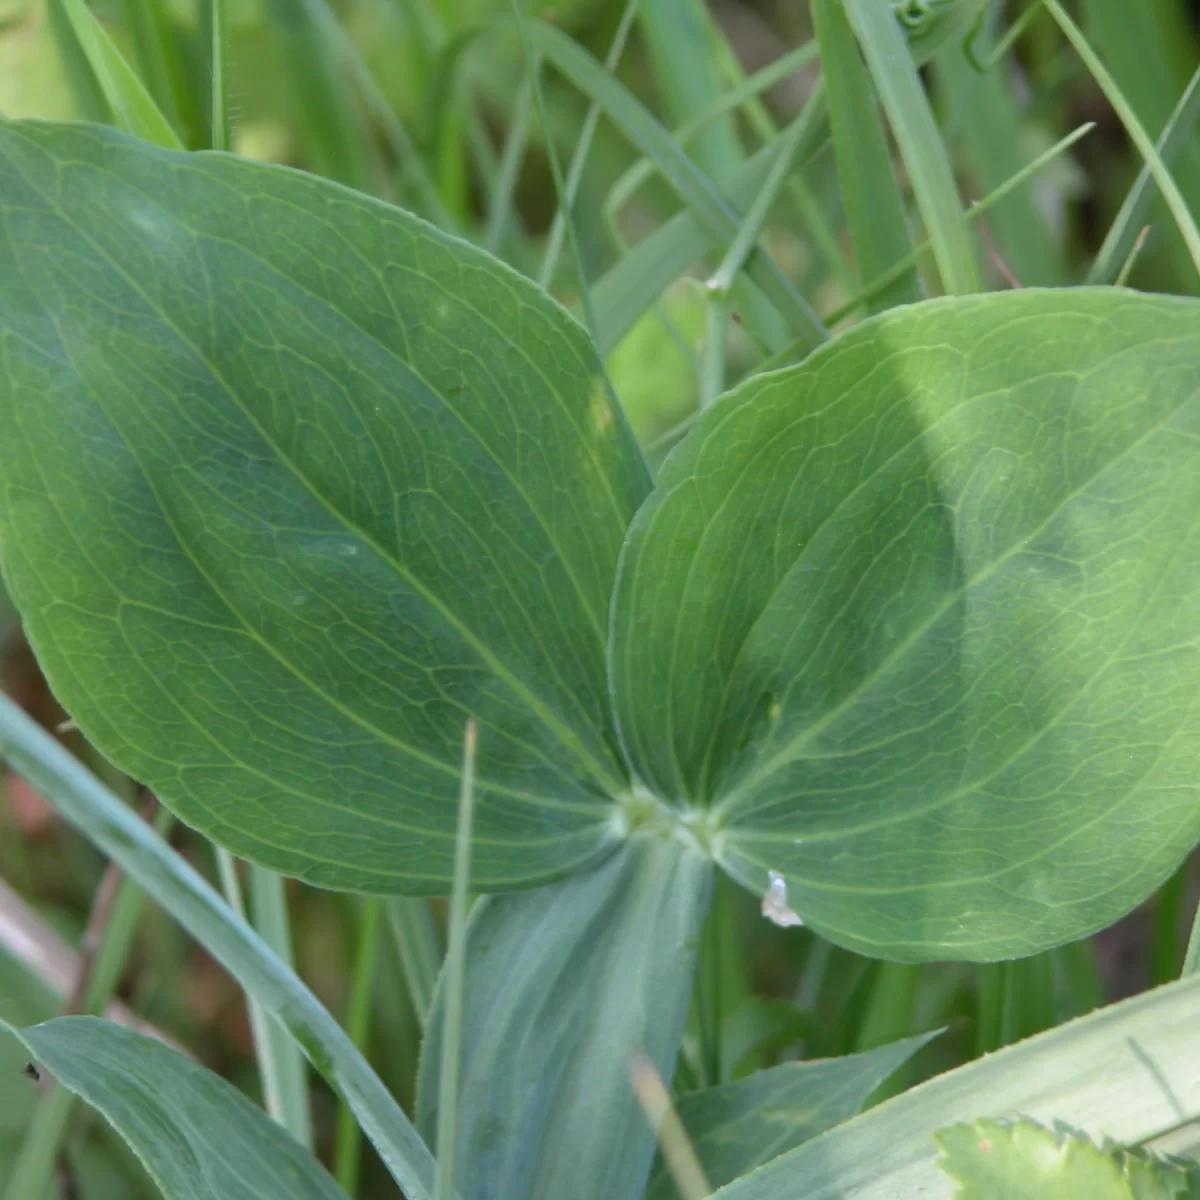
1119,242
173,883
872,198
1178,206
921,147
105,83
447,1122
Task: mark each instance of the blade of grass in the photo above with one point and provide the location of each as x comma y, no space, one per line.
218,117
1150,49
693,187
445,122
796,351
890,1015
89,100
107,943
1077,982
1191,959
635,176
983,123
1122,279
105,82
1137,133
447,1117
1130,221
873,202
516,144
921,147
269,916
721,281
330,123
672,1138
811,213
684,50
995,1011
582,146
560,191
380,110
347,1150
972,214
415,934
174,884
161,63
273,1049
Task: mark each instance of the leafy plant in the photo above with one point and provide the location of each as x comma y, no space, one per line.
899,638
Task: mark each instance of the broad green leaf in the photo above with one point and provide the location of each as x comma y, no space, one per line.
1125,1073
739,1126
197,1136
914,622
320,483
996,1160
562,986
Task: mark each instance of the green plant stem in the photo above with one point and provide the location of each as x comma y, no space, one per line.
107,941
447,1116
177,887
347,1152
1137,133
415,934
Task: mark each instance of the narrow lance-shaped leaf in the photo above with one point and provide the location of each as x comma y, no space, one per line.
562,985
294,484
739,1126
197,1136
920,619
1125,1073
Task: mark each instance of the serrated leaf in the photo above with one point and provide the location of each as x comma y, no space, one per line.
1125,1073
319,482
197,1136
921,619
996,1160
562,986
739,1126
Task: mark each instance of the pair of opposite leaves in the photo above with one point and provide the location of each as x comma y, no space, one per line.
295,483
